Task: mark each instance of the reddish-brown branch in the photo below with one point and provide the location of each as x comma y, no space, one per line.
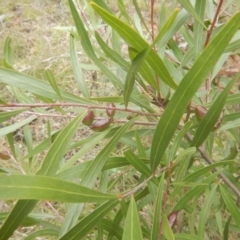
80,105
209,32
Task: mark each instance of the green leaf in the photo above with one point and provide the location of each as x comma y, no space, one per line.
51,79
132,229
188,6
87,46
138,164
195,191
6,130
167,231
112,228
112,54
88,222
77,71
6,115
187,88
130,78
40,233
36,86
15,218
140,58
231,205
193,177
8,54
140,14
183,236
91,174
97,164
158,210
134,40
205,211
208,121
145,71
49,167
47,188
198,28
57,150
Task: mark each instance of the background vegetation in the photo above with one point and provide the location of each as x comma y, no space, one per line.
120,120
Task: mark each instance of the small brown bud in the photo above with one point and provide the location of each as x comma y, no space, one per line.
101,125
172,218
110,111
200,112
89,117
4,155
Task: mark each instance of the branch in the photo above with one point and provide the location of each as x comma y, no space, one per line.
209,160
18,105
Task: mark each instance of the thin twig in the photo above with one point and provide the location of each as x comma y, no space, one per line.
209,160
73,116
17,105
209,32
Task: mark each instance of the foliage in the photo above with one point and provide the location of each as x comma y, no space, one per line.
162,171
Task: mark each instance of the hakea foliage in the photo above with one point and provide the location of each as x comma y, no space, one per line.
144,182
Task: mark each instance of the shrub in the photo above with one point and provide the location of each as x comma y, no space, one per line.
164,120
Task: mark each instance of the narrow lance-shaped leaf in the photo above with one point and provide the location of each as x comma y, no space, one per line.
134,40
77,71
6,130
138,164
48,188
88,222
140,58
167,231
187,88
51,79
130,78
36,86
208,121
198,28
6,115
188,6
87,46
49,167
91,174
231,206
8,54
205,211
132,228
59,147
158,210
